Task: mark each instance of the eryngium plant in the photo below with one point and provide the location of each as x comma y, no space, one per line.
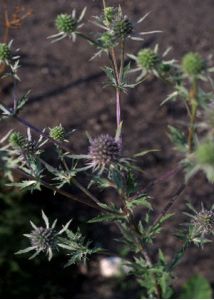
103,160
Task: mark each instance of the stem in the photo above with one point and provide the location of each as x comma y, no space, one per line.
104,4
169,204
193,112
117,79
133,227
122,57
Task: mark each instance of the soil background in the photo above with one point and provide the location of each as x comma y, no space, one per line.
66,88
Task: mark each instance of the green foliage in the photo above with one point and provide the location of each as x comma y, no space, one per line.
178,138
104,164
76,247
65,23
193,64
148,59
5,53
57,133
205,153
197,287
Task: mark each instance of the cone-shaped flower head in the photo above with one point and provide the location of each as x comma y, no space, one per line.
5,53
147,59
193,64
66,23
104,151
44,238
57,133
203,222
122,28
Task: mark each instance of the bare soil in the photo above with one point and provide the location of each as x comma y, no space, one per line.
66,88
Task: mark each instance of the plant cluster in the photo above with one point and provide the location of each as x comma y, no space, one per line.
104,162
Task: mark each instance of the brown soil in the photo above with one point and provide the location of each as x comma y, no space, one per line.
67,89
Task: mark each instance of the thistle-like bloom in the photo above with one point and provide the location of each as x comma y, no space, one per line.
57,133
119,25
44,238
25,145
104,151
5,53
203,222
68,25
193,64
149,61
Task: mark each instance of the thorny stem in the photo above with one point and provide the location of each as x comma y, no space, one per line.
170,203
134,228
193,111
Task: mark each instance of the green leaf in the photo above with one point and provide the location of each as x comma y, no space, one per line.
178,138
142,201
196,287
106,218
143,153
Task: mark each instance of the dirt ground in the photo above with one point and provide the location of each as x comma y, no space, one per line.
66,88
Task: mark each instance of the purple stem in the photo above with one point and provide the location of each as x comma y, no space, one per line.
118,107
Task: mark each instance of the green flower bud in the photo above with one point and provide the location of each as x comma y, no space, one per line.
147,59
193,64
17,140
57,133
109,14
65,23
107,40
122,28
5,53
205,153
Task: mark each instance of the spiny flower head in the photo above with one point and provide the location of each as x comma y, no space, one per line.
203,222
148,59
44,238
5,53
104,151
122,28
193,64
65,23
17,140
205,153
107,40
57,133
109,13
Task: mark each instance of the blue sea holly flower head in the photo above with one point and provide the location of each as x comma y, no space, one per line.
68,25
104,151
44,238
